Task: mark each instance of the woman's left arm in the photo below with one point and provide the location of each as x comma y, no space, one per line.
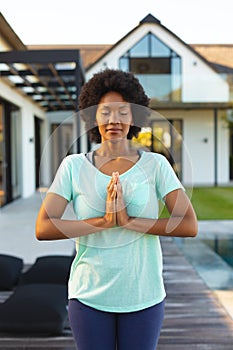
181,223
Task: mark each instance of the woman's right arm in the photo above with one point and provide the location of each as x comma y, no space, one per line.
51,226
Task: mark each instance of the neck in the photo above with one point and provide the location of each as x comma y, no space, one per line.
114,148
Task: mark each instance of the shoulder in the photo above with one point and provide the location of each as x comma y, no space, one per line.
72,162
73,159
159,158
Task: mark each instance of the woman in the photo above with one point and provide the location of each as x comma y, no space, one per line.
116,290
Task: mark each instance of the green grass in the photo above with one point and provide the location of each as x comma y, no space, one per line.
211,203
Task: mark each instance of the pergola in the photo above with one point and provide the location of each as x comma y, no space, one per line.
51,78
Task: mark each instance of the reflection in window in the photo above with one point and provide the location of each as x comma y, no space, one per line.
141,49
167,140
158,48
164,137
157,67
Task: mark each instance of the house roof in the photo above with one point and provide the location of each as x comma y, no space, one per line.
219,54
9,35
58,86
89,53
151,19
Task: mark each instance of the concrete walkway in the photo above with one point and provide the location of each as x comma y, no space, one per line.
17,231
210,228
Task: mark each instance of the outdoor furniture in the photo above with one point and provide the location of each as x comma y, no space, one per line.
48,269
35,309
10,270
38,304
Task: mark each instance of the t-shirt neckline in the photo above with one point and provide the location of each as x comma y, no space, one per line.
87,159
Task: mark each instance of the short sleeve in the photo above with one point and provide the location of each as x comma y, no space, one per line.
62,183
166,179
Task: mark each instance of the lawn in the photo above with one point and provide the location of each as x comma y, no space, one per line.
211,203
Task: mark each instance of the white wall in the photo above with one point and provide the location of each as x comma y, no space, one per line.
199,139
27,110
200,82
198,163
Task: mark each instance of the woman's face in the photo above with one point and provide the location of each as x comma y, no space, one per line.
113,117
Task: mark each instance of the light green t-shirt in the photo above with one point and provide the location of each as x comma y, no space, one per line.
116,270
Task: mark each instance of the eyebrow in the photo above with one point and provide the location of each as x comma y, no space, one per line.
108,106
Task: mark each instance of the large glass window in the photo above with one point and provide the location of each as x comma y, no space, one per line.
164,137
157,67
10,153
2,173
167,140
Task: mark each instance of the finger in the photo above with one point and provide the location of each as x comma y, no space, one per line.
115,176
112,187
111,183
119,188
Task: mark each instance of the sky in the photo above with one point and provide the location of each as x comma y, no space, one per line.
106,22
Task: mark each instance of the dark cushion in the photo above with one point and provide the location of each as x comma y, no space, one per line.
48,269
35,308
10,270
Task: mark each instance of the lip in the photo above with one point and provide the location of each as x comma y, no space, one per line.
113,130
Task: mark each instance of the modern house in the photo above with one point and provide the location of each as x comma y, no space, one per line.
191,105
191,98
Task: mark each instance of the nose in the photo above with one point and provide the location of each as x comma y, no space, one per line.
114,117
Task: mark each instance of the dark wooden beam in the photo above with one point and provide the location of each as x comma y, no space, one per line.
39,56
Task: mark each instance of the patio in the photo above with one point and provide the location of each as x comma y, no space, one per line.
194,318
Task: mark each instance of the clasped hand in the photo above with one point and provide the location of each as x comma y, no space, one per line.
116,213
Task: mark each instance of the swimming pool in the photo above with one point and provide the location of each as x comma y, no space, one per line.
222,246
214,269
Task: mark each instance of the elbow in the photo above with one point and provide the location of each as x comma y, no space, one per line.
189,228
193,233
40,234
193,229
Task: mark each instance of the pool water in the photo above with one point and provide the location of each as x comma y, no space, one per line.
222,247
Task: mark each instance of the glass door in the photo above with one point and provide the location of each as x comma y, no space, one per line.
62,143
2,159
164,137
167,140
15,153
10,153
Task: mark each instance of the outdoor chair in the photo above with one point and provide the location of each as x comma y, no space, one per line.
35,309
10,271
48,269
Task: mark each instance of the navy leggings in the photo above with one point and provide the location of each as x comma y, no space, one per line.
98,330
